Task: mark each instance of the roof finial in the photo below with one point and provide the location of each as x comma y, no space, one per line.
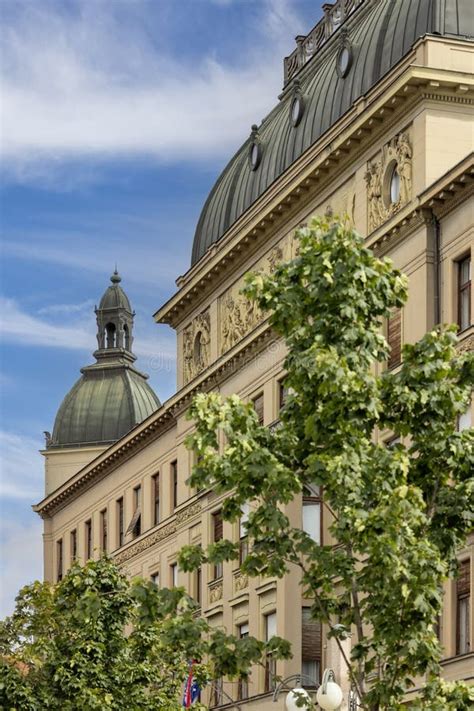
115,278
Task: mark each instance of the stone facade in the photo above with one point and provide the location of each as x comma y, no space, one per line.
226,344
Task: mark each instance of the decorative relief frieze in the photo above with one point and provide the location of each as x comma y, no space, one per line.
215,592
389,180
237,314
157,536
147,542
466,345
188,513
241,581
197,346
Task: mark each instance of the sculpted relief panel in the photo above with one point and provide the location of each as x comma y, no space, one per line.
389,180
196,346
237,315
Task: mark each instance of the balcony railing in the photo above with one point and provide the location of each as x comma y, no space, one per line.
335,14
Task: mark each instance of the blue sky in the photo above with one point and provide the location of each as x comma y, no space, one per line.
116,118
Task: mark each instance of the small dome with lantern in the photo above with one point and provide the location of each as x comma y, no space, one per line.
111,396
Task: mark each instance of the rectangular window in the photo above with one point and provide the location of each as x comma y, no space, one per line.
217,535
257,403
59,561
198,585
270,661
464,293
174,575
310,648
120,522
282,394
243,538
88,536
155,578
463,603
243,684
103,531
174,484
135,526
155,481
73,545
312,512
394,338
216,692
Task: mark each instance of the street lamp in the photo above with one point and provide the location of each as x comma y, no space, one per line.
291,701
329,695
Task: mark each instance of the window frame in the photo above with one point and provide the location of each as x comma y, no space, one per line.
120,521
260,412
73,544
217,520
270,661
59,560
463,594
314,499
155,482
174,484
88,539
461,288
242,684
104,532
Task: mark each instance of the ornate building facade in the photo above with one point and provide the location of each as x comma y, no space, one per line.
374,120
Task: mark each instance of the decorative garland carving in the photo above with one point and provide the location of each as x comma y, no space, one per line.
160,535
196,346
396,154
215,592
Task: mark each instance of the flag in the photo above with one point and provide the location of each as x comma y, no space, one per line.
192,691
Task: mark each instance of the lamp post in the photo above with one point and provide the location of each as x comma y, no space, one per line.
329,695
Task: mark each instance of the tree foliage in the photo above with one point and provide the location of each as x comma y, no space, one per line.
397,514
99,641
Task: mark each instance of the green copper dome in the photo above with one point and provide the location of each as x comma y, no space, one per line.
377,34
111,396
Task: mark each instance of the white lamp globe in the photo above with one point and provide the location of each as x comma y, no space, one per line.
292,699
332,699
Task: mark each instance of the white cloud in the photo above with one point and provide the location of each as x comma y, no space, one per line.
21,473
81,86
66,309
16,326
157,348
22,558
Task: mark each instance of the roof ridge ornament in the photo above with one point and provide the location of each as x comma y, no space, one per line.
335,14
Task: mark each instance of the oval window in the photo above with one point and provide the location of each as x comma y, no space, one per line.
344,61
395,185
296,110
255,155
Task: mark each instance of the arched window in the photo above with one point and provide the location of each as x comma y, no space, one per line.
126,334
111,335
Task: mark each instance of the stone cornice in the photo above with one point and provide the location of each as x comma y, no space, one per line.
317,168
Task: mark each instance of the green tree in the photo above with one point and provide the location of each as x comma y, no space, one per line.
99,641
397,514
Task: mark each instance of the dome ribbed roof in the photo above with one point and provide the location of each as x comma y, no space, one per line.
103,405
114,296
380,33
